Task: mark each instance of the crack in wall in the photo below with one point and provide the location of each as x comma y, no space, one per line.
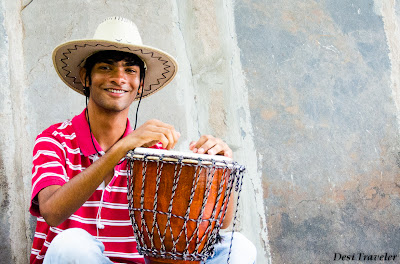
25,6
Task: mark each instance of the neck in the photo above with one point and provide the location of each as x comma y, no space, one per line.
107,126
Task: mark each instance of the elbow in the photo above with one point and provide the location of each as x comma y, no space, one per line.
52,223
52,219
48,208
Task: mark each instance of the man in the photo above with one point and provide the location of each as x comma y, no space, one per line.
78,175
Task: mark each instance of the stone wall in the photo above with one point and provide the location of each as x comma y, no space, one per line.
322,78
305,93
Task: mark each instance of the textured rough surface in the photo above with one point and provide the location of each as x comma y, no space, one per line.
5,248
325,122
13,141
305,92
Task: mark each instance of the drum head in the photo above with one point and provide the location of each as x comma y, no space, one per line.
187,157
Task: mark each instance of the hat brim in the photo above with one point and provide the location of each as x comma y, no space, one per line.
68,58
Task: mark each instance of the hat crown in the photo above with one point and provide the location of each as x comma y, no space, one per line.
118,29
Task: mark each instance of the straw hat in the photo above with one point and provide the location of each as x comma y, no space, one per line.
114,33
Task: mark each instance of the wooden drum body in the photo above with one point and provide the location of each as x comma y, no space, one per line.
177,203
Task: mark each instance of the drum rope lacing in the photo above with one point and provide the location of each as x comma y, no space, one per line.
238,189
235,172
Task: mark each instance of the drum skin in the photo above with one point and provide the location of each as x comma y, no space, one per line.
192,236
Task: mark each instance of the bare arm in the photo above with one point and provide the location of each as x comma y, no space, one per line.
229,211
57,203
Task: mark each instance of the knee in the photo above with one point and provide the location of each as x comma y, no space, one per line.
74,242
243,250
241,244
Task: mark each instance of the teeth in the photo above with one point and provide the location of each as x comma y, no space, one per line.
115,91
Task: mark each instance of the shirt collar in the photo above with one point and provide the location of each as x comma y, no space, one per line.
83,135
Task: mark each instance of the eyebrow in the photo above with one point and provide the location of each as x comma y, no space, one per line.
108,61
111,61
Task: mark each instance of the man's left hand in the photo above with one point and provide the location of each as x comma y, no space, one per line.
208,144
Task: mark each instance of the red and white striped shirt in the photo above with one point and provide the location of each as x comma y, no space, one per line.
61,152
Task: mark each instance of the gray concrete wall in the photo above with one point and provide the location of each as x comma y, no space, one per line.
321,77
15,140
305,92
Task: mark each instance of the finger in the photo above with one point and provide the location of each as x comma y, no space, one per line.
167,130
198,145
176,135
215,150
153,137
228,153
210,143
150,144
151,134
192,145
214,146
221,149
164,140
169,135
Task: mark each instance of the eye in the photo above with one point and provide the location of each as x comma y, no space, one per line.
104,67
131,70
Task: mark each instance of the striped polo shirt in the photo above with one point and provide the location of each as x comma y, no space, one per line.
61,152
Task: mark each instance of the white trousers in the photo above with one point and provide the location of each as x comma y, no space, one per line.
75,246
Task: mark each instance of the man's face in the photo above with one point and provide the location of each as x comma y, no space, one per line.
114,85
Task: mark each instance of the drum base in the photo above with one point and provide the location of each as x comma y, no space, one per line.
152,260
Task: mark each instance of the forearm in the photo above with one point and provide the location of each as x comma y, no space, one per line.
229,214
57,203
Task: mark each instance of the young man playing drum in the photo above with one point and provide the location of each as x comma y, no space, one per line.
79,177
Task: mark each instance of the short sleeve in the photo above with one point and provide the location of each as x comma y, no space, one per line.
48,167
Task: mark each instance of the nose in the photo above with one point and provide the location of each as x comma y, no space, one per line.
118,76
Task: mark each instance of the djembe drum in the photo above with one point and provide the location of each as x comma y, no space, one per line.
178,201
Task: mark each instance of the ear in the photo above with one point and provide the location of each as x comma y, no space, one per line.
83,77
140,87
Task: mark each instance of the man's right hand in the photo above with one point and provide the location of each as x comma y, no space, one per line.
150,133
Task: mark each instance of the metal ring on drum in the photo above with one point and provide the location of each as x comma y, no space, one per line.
178,202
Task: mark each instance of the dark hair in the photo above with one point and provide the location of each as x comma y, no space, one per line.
110,55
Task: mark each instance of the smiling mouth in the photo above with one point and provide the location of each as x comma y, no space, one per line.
116,91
